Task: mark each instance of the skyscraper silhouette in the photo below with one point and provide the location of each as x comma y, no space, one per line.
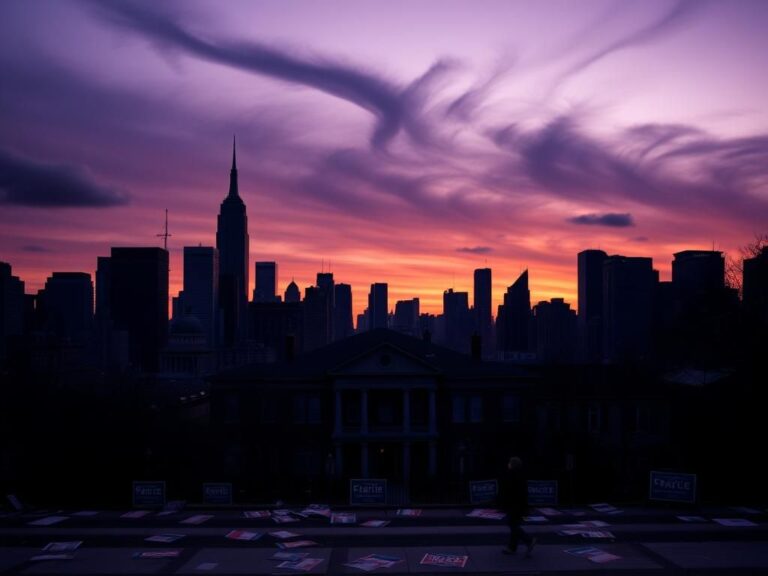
11,308
68,304
482,304
342,312
201,288
378,310
590,318
232,244
513,321
292,293
629,285
266,282
138,300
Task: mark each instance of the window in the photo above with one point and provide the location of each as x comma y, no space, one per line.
306,409
593,418
467,408
511,408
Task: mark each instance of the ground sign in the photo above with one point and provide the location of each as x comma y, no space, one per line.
542,492
367,491
149,494
672,487
483,491
217,493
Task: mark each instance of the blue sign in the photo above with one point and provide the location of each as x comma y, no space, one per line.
542,492
672,487
483,491
217,493
367,491
148,494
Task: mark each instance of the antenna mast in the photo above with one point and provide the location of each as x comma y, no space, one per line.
165,235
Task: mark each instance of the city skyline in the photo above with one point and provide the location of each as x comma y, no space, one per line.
621,127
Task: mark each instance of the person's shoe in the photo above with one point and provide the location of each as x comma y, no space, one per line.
508,550
529,549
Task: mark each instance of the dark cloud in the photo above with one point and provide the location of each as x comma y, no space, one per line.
640,239
476,249
387,101
35,248
609,219
27,183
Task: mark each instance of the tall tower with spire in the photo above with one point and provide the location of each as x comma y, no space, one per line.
232,244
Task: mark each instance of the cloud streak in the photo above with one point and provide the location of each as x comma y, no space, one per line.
27,183
610,219
475,249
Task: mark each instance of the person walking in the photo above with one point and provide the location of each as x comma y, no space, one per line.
513,500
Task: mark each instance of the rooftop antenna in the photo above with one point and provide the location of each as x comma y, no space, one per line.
165,235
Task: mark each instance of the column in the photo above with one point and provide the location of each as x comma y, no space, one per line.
364,459
364,411
432,413
406,462
432,458
339,460
406,411
338,413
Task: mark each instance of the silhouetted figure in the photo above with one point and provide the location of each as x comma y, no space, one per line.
513,501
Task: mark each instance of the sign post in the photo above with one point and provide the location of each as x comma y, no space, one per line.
217,493
149,494
366,491
542,492
672,487
481,491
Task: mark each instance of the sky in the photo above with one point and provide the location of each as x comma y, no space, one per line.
384,141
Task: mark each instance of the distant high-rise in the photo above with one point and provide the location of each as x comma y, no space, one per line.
342,312
629,285
266,282
555,328
11,308
755,286
458,322
590,317
201,288
406,319
513,322
232,244
482,304
697,273
292,293
378,309
67,301
138,299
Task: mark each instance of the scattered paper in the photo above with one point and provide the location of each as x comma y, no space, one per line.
745,510
62,546
206,566
343,518
283,534
48,521
296,544
449,560
410,512
486,513
197,519
257,514
164,538
135,514
535,519
692,518
605,508
317,510
306,564
593,554
283,518
374,562
86,513
594,523
158,554
734,521
374,523
244,535
289,556
549,511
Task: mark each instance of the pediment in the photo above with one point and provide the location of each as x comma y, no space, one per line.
385,359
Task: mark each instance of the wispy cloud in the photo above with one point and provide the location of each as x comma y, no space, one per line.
35,248
475,249
27,183
609,219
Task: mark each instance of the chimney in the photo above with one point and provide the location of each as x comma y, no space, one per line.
477,347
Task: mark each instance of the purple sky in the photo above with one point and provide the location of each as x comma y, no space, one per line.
407,142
